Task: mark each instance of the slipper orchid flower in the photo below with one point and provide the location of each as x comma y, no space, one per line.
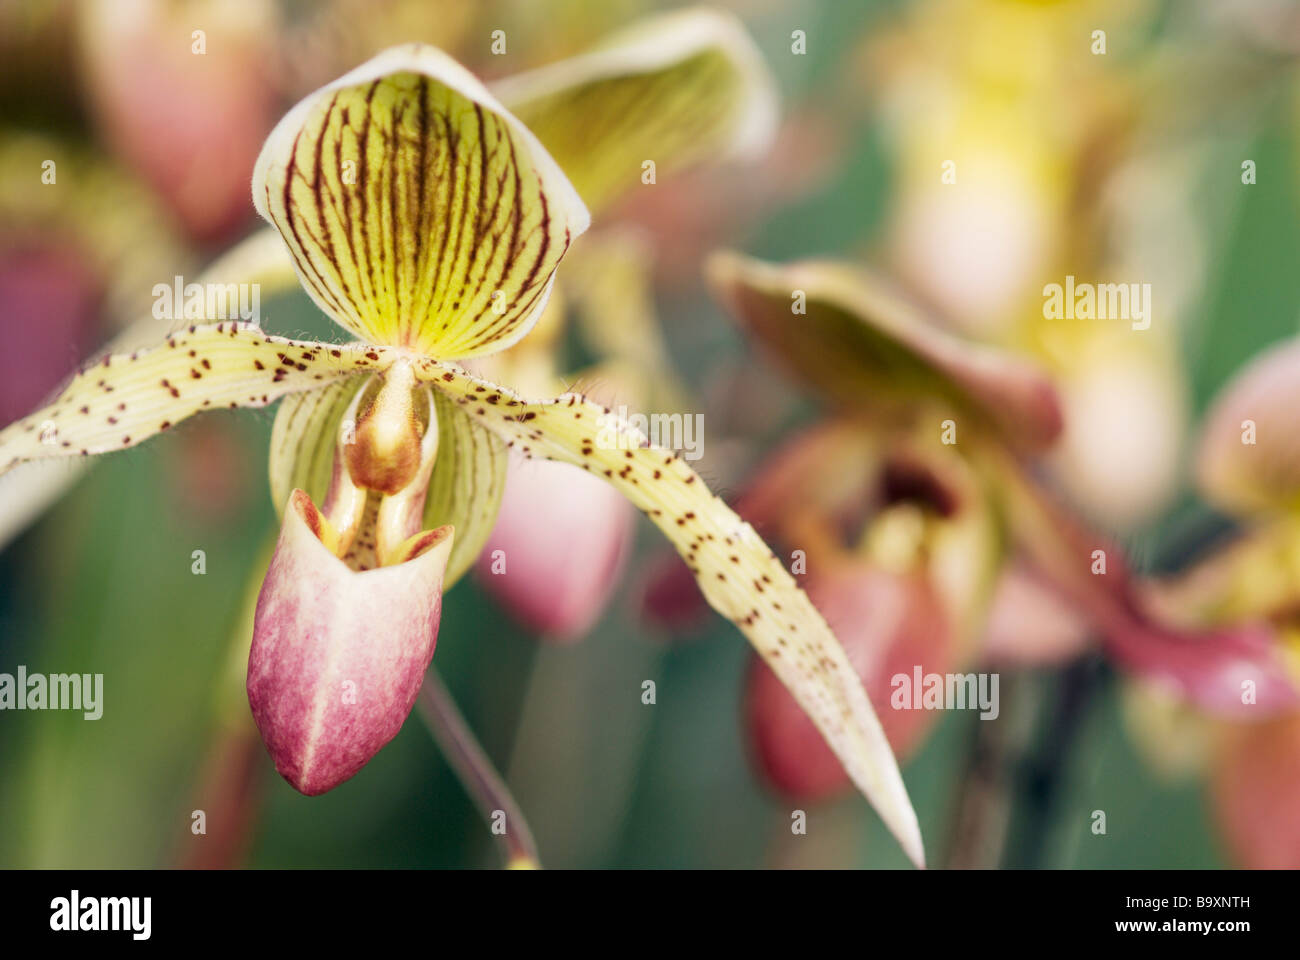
1247,466
426,220
915,409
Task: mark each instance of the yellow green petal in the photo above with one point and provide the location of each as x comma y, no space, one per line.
844,332
304,438
123,399
419,212
678,89
738,574
468,482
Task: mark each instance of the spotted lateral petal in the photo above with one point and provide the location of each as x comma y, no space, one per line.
738,574
418,210
865,346
679,89
124,399
27,492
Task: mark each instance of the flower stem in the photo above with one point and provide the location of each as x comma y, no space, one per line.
979,823
476,772
1043,776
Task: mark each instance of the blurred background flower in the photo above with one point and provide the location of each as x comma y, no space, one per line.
1167,156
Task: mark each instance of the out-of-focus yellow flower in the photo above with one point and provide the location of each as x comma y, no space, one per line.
999,185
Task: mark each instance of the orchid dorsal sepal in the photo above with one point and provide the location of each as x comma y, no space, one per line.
417,209
863,343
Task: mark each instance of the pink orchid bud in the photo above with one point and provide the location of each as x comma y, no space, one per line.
184,93
888,624
338,655
557,549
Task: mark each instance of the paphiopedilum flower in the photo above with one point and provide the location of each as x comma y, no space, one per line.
965,407
1248,465
426,220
